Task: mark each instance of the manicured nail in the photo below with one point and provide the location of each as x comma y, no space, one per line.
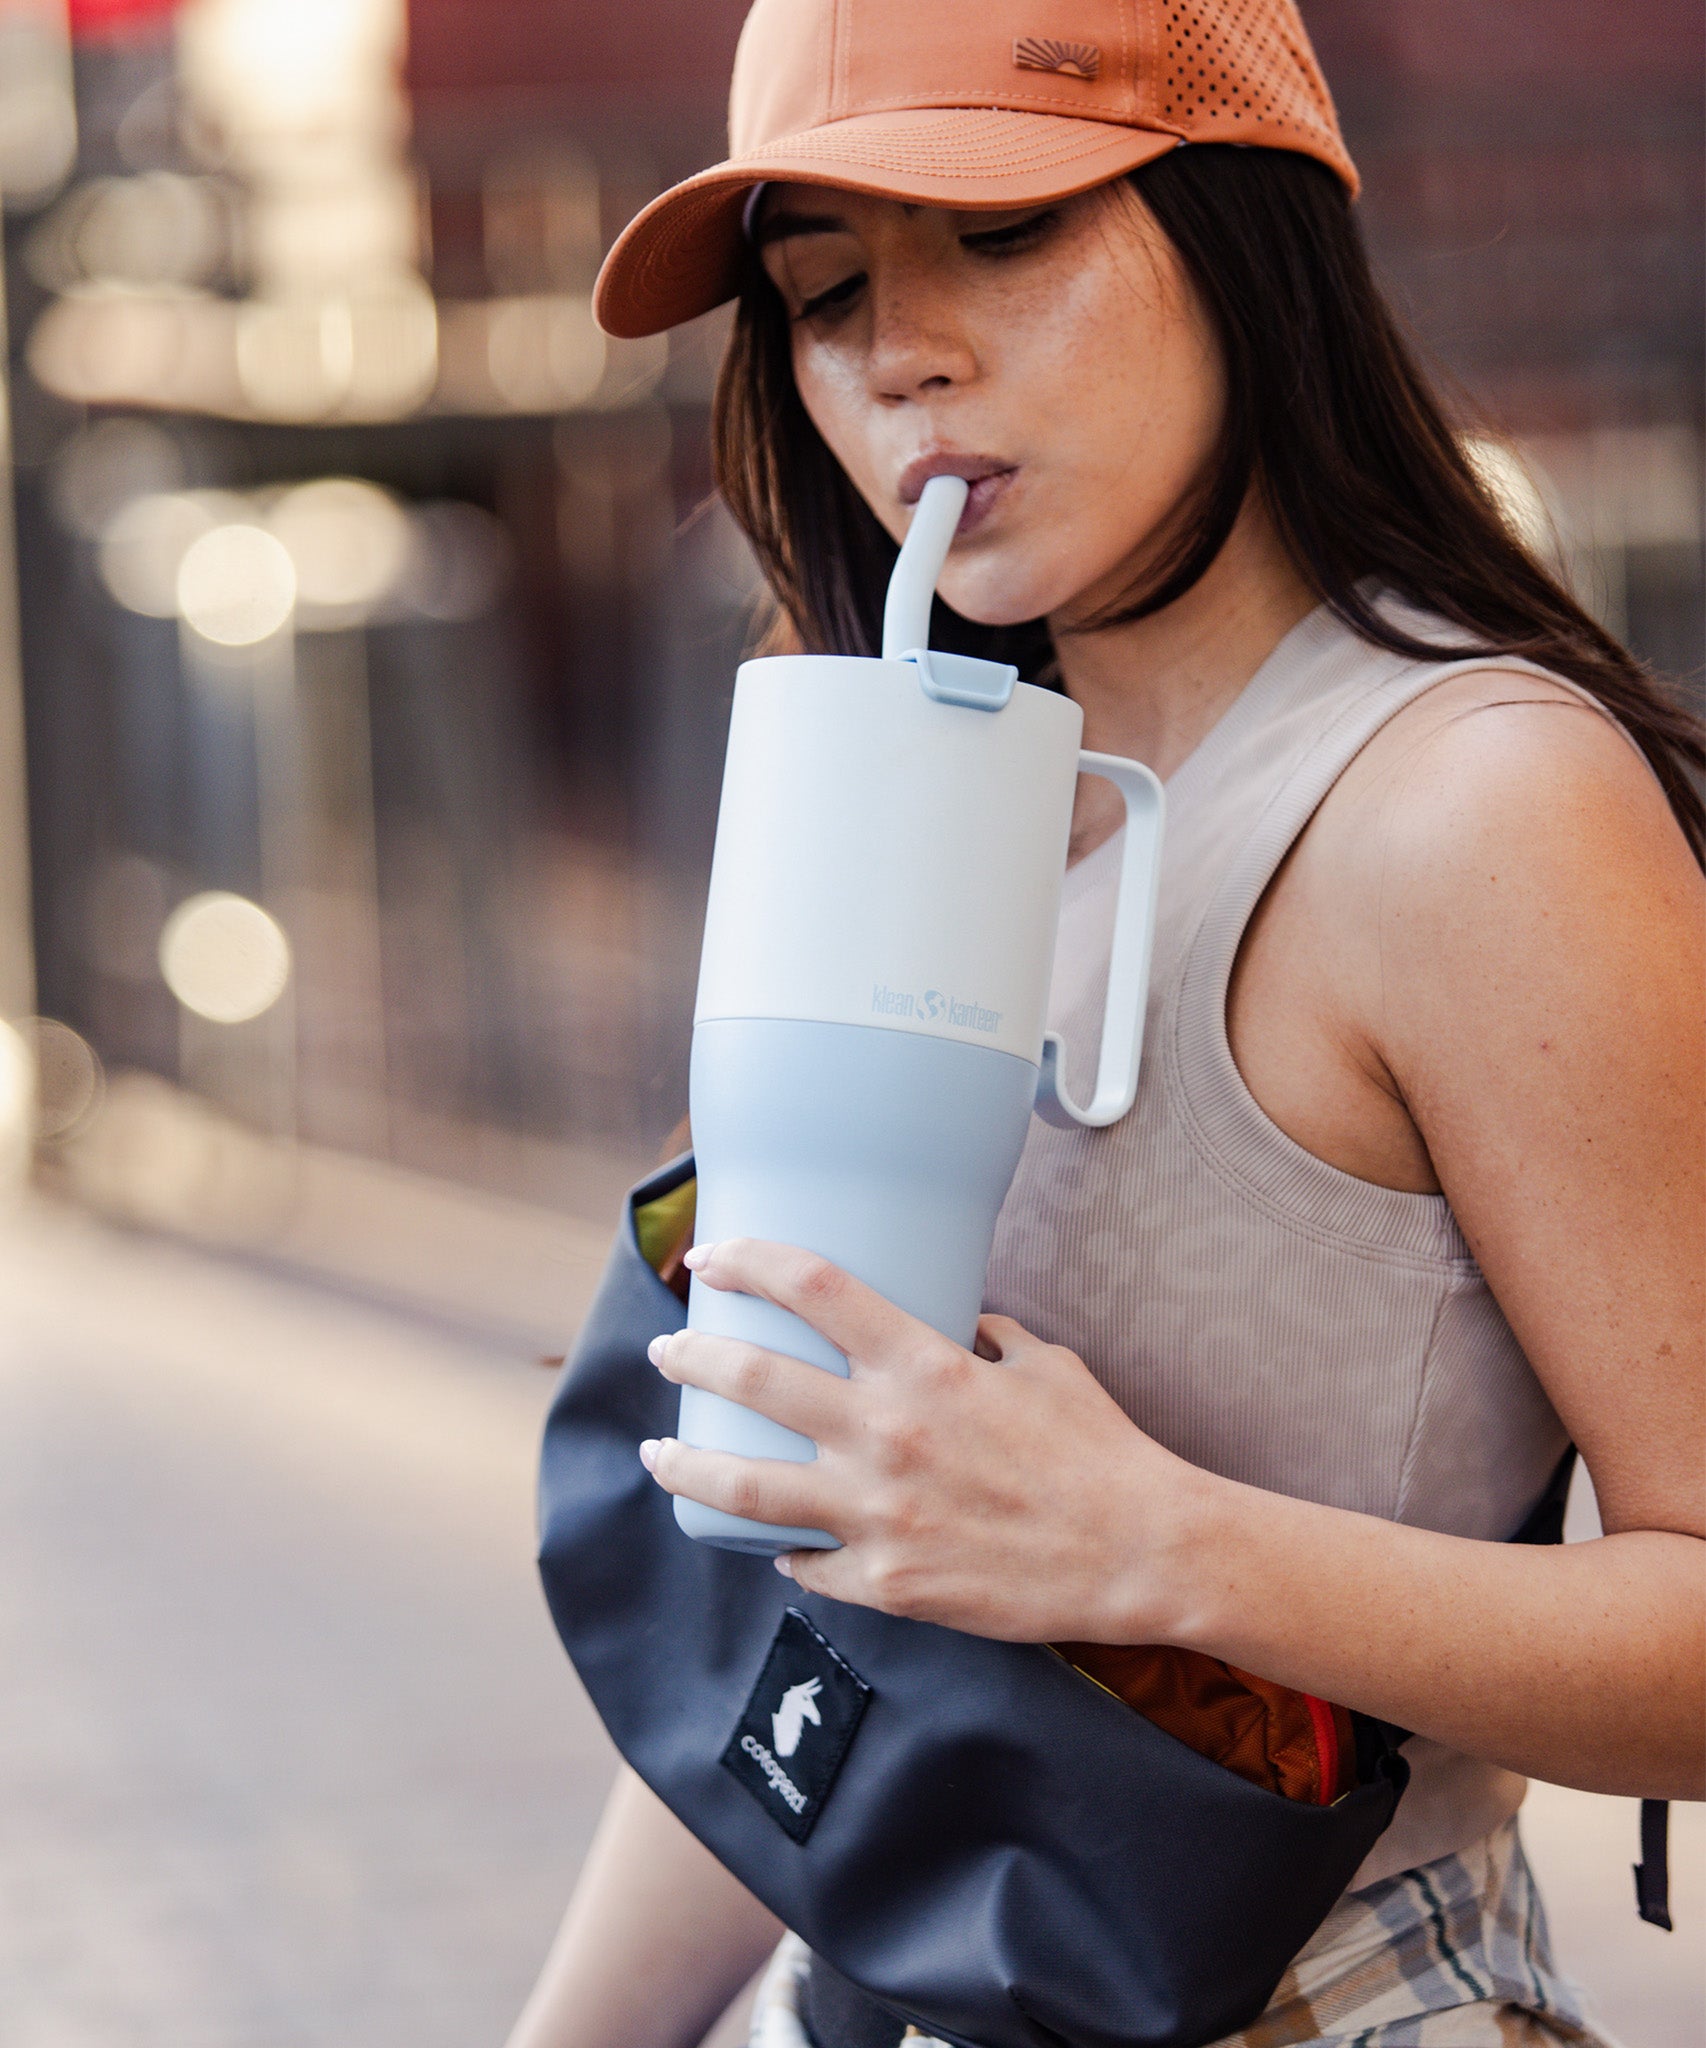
654,1350
697,1255
785,1565
649,1453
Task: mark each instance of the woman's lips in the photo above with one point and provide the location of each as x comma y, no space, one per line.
981,498
987,475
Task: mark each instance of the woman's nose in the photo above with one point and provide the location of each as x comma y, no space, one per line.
916,345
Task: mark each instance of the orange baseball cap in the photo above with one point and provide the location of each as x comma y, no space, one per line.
966,103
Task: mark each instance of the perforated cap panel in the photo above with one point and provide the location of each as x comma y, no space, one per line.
1231,67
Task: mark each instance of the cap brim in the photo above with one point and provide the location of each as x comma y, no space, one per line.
681,256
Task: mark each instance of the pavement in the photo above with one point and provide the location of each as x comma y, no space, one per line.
289,1757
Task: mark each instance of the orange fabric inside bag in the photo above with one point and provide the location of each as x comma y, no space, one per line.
1288,1742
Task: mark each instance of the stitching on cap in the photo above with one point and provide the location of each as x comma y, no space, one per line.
844,134
1131,30
668,240
840,34
826,64
942,148
1008,101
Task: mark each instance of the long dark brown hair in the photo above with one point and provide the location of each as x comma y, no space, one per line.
1328,415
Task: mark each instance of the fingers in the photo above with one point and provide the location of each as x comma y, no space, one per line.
865,1574
997,1335
833,1573
799,1396
855,1318
758,1489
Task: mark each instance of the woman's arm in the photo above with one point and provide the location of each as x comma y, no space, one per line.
1531,985
1527,982
657,1939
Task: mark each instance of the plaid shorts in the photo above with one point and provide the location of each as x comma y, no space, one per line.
1451,1955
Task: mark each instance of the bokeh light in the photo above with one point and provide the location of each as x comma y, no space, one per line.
368,356
349,542
159,228
274,70
17,1107
109,465
236,586
69,1078
224,958
144,545
38,117
544,354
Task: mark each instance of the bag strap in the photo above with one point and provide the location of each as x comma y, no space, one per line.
1545,1523
1652,1873
1377,1739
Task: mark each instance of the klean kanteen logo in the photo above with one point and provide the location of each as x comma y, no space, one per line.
805,1708
934,1006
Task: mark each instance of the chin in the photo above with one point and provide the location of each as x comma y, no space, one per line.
995,593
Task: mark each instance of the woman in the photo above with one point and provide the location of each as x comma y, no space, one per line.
1411,1198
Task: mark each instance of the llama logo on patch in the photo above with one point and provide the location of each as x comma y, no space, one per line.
788,1723
804,1680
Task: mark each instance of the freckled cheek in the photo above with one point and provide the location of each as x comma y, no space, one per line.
1112,379
834,394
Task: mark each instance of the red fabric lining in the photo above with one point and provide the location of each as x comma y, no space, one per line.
1326,1748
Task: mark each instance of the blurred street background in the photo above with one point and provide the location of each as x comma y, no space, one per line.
361,718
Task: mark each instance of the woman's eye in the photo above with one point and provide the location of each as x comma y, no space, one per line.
832,301
1013,236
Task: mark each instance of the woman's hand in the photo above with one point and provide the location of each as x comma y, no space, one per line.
1001,1491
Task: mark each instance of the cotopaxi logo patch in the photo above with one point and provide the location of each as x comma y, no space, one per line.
789,1744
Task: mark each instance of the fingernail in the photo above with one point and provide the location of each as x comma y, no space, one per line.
649,1453
654,1350
696,1256
785,1565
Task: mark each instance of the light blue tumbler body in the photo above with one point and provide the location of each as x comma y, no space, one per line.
889,1152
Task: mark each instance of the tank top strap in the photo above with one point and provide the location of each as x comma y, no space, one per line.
1327,697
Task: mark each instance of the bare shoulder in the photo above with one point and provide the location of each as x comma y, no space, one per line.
1497,871
1500,806
1493,907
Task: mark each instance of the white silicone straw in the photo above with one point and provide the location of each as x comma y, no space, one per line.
906,610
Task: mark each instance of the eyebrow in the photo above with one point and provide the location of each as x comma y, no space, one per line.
781,227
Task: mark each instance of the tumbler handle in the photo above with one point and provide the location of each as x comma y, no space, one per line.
1128,963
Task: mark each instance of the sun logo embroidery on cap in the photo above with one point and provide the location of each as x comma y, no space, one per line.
1043,53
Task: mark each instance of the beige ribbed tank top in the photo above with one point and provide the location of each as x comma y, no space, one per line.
1256,1310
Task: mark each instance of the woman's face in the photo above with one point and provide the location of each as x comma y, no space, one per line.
1055,356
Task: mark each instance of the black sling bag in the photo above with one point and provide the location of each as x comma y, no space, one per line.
972,1833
